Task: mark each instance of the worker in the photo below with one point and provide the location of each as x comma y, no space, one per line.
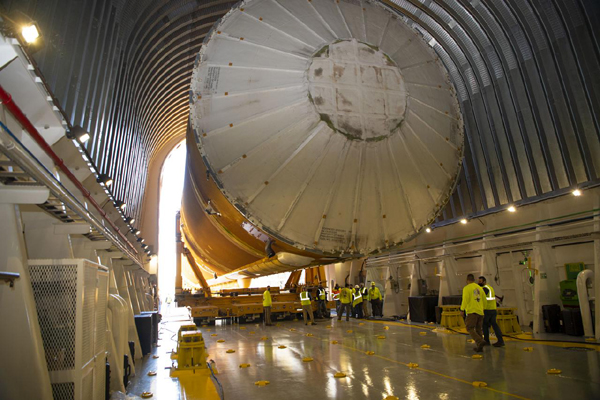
365,303
306,306
345,302
357,307
489,314
473,304
335,296
267,302
375,296
321,302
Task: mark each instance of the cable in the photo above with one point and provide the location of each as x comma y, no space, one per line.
222,393
497,277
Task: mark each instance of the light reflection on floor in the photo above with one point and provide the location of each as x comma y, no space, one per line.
445,371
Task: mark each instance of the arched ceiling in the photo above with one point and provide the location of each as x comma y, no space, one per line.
527,73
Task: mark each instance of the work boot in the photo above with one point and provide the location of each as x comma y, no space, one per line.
479,347
498,344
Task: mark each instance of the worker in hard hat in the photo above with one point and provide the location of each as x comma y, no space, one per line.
365,297
306,306
267,302
375,297
357,303
335,296
345,302
489,314
473,304
321,302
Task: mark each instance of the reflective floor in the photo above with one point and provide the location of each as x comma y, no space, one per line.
445,370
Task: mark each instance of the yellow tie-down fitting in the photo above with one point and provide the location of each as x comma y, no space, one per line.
191,352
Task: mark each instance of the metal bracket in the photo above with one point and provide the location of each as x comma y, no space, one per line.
9,277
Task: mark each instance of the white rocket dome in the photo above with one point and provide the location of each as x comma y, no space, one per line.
331,125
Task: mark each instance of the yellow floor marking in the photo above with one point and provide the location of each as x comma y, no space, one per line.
436,373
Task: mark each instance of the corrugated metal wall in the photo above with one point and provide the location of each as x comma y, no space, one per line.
527,73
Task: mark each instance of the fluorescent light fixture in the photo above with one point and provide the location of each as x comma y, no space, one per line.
79,134
30,33
104,180
463,221
428,230
576,192
512,209
84,138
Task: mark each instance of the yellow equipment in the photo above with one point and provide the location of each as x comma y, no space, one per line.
195,375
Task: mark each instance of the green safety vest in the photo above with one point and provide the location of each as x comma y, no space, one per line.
346,296
365,294
374,293
267,299
490,297
473,299
357,298
322,295
304,298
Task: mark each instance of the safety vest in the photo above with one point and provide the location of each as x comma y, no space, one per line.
267,299
304,298
336,295
357,298
374,293
473,299
321,294
346,296
365,294
490,296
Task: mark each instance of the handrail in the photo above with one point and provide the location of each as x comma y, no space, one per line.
13,148
11,106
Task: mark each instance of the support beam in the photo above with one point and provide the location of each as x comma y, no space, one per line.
23,194
197,272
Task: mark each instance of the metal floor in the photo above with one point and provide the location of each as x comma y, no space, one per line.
445,370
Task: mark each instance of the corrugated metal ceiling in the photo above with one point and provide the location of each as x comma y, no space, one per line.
527,73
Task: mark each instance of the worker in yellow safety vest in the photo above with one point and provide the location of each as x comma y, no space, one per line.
321,302
357,303
473,304
306,306
365,303
376,298
345,302
267,302
489,314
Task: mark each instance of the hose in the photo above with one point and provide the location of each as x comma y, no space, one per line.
221,392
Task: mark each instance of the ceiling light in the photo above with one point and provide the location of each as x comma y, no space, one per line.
512,209
121,205
104,180
79,134
428,230
130,220
137,232
463,221
576,192
30,33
